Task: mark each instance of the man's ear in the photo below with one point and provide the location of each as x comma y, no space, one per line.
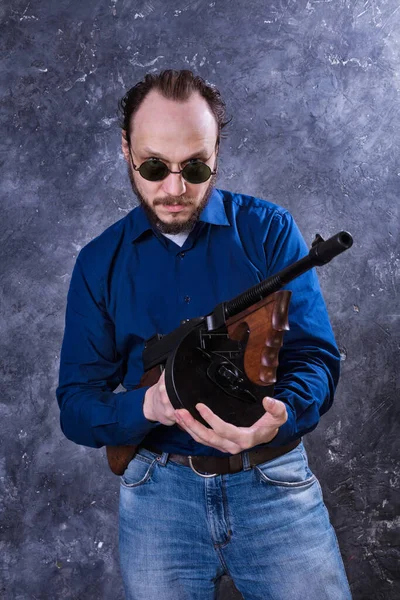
125,146
216,153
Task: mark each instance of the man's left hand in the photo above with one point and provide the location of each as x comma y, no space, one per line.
227,437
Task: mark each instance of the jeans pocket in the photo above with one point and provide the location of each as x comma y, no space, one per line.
289,470
138,471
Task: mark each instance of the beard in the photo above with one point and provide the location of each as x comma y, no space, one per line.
174,227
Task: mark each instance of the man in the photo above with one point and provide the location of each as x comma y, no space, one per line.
198,502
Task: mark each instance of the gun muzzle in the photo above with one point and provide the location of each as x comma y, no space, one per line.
323,251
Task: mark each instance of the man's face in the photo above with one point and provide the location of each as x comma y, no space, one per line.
173,132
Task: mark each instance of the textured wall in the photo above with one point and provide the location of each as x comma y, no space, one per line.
314,90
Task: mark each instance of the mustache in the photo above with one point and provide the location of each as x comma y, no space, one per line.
173,202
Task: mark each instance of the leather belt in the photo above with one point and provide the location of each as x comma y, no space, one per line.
220,465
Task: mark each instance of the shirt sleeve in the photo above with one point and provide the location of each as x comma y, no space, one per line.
91,414
309,360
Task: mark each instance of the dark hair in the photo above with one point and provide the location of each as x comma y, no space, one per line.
174,85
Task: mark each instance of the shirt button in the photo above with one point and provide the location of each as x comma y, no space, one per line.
181,254
187,299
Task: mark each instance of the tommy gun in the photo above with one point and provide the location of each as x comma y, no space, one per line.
228,359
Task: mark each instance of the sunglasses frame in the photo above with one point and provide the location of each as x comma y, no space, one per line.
169,170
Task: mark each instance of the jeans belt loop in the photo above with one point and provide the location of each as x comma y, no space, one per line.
246,460
162,460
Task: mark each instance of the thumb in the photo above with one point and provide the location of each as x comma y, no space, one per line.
274,407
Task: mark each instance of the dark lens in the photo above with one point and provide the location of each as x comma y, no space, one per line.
153,170
196,172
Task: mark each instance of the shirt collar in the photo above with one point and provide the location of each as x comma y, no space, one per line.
214,213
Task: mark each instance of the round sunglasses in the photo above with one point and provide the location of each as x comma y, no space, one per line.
155,170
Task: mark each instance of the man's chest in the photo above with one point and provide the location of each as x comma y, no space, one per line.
154,288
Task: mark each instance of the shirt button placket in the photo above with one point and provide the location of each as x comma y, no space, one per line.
186,298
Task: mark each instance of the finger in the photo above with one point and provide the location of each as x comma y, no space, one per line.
269,419
203,434
224,446
185,427
275,408
221,432
221,427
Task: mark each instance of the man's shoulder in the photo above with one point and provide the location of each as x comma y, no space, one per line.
245,205
103,247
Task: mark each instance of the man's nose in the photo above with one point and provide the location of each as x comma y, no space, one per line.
174,184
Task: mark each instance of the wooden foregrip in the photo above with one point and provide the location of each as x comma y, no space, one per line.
120,456
266,321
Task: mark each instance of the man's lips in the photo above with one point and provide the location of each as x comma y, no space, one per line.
174,207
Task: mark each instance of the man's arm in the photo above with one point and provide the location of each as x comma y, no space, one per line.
90,369
309,360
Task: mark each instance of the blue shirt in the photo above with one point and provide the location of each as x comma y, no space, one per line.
131,282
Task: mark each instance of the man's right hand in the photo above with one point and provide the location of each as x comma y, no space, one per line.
157,405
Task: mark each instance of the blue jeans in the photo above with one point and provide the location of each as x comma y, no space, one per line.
266,527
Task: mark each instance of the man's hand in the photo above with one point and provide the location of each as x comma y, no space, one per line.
229,438
157,405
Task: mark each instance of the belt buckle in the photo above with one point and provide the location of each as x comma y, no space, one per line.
197,472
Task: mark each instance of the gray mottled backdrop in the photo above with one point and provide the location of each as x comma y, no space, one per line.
314,90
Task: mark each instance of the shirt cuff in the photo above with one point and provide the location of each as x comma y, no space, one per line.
131,417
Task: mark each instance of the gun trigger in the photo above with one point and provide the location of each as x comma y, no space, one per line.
317,240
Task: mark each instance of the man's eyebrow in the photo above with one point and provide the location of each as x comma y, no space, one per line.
148,152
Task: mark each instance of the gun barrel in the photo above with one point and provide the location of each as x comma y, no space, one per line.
320,254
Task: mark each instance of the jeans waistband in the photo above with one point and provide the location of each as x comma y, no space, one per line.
208,466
